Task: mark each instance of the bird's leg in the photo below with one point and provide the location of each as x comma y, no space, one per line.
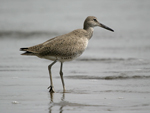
51,87
61,75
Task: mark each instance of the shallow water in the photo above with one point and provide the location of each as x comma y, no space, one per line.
112,75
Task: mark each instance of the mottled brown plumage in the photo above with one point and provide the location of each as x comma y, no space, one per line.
65,47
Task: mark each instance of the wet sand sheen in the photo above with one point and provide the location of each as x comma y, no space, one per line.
110,84
87,90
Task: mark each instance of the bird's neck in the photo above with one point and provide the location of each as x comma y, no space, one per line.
89,31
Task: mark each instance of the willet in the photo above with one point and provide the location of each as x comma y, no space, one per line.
65,47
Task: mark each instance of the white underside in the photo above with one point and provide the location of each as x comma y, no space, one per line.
61,59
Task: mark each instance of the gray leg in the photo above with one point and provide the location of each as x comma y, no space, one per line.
61,75
51,87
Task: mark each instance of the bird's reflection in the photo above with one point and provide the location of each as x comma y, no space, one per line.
52,103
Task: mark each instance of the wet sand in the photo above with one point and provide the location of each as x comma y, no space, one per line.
93,85
112,75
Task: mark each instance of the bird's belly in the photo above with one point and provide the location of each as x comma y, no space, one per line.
61,58
68,58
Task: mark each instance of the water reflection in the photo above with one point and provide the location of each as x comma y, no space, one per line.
52,103
63,103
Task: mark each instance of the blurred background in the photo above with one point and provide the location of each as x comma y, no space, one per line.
63,16
49,18
111,75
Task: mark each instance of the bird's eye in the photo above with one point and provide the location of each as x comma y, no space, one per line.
95,20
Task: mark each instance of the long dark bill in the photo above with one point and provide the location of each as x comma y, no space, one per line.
105,27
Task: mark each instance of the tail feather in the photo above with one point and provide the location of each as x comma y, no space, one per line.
23,49
26,51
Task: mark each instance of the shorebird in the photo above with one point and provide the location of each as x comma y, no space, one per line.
65,47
